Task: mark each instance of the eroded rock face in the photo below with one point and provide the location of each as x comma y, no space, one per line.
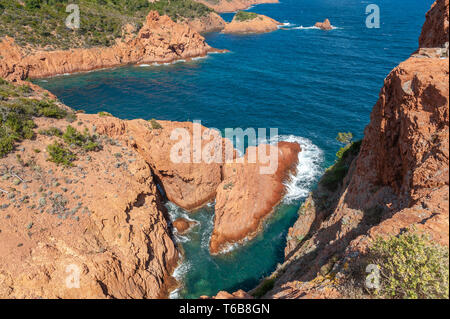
240,294
325,25
399,179
259,24
182,225
189,185
101,220
435,30
246,197
209,23
233,5
159,40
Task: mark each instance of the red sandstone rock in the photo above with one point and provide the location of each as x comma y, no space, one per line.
435,30
159,40
233,5
259,24
399,180
325,25
246,197
118,238
209,23
182,225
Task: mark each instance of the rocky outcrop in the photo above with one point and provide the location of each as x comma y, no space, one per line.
101,222
159,40
232,5
182,225
240,294
435,30
246,197
189,184
205,24
398,180
325,25
260,24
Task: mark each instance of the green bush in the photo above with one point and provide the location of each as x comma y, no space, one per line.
17,110
411,267
264,287
180,9
60,155
86,141
102,113
244,16
155,125
334,175
52,131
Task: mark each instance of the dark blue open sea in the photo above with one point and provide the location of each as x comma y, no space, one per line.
308,83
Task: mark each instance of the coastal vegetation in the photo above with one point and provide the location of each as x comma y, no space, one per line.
41,23
17,110
335,174
411,267
244,16
180,9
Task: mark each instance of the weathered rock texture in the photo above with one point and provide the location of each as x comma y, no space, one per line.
182,225
399,180
232,5
102,220
189,185
259,24
246,197
325,25
159,40
435,30
209,23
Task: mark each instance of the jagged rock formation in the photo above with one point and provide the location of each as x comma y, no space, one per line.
259,24
101,220
325,25
400,178
243,199
209,23
159,40
232,5
246,197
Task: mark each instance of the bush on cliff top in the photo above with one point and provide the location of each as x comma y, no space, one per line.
180,9
334,175
244,16
411,266
16,114
41,23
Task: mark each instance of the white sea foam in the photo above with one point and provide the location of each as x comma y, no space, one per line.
143,65
179,273
308,168
312,28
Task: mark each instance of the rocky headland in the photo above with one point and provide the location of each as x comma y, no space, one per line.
249,22
159,40
396,181
232,5
325,25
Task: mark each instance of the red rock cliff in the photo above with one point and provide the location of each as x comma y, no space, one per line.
400,179
159,40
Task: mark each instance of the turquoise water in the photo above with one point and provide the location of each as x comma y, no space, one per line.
307,83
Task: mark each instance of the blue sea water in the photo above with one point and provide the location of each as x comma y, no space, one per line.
308,83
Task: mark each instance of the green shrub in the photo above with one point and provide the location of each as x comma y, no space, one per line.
180,9
411,267
52,131
244,16
60,155
86,141
155,125
334,175
264,287
102,113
